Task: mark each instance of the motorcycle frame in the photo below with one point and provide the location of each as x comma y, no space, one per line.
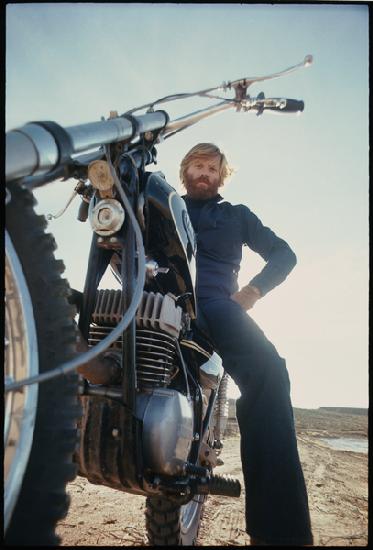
129,475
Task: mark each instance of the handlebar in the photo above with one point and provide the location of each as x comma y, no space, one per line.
43,148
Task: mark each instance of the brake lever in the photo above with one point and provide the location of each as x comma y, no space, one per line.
240,86
248,81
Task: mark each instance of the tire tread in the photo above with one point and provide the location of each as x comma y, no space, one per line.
43,500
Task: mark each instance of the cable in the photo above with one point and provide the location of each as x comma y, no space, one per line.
71,365
201,93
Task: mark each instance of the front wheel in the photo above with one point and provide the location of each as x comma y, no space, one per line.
169,524
40,433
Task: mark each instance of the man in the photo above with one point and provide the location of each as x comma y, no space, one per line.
276,497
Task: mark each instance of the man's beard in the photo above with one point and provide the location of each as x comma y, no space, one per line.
196,192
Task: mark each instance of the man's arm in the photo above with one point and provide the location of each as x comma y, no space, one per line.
279,257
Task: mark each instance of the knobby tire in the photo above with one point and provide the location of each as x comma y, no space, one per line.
43,500
166,524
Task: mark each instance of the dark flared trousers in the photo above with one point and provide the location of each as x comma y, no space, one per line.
276,496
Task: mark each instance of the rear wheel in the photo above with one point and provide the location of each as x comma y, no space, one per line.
169,524
40,433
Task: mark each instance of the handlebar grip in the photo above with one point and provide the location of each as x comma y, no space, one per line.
292,106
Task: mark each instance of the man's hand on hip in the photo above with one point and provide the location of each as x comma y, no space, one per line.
247,296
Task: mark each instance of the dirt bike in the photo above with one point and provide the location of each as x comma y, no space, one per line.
156,428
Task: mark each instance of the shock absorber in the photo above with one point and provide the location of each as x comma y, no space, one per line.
221,408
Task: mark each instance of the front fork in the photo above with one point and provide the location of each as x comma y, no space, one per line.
130,426
100,254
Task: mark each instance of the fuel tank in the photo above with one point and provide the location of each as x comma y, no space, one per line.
170,239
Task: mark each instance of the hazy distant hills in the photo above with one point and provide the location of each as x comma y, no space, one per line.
322,422
347,410
332,421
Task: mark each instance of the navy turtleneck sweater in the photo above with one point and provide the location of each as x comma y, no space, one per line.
221,230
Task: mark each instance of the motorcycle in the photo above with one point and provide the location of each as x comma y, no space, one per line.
155,428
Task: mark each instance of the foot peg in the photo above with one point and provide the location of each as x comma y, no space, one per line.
219,485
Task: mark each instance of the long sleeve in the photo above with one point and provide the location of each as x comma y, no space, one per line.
279,257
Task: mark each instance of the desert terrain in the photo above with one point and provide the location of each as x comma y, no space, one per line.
337,483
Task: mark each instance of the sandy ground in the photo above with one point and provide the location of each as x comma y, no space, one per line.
337,483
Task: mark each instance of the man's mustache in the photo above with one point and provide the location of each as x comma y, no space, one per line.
204,179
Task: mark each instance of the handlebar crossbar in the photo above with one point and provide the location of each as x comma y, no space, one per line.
38,147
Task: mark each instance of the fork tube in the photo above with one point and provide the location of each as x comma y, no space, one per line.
130,448
129,336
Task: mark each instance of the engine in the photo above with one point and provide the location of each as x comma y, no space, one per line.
167,415
158,321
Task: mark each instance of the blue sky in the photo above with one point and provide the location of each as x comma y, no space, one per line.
305,176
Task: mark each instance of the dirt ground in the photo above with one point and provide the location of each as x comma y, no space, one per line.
337,483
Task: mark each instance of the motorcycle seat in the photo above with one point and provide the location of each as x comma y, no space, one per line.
201,332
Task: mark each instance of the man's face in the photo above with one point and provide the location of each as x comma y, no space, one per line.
202,177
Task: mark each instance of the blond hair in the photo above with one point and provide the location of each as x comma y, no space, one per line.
205,150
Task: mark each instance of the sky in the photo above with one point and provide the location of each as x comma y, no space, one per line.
305,176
